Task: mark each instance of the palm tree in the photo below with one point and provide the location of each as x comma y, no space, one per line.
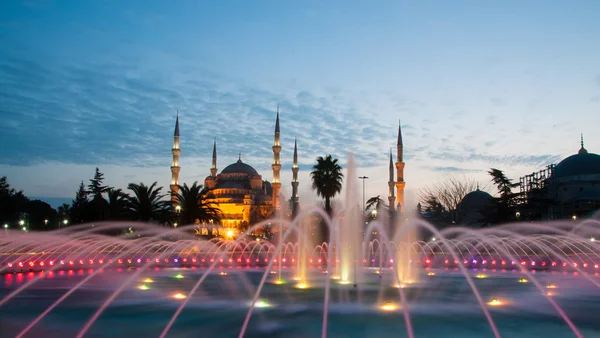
375,202
195,205
146,202
327,179
117,204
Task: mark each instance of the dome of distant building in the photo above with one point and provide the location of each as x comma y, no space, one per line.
582,163
239,167
475,200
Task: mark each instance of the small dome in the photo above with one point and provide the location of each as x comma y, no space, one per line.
239,167
583,163
475,200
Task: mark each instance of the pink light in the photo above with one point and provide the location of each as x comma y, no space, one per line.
575,264
474,261
391,261
185,260
81,261
595,266
120,261
51,263
30,263
543,263
553,263
585,265
446,261
10,266
484,262
247,260
455,261
293,260
91,261
157,261
533,263
564,264
426,261
62,262
465,261
71,263
194,260
41,263
101,261
523,262
493,262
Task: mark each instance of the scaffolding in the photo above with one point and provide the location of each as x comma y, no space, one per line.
536,180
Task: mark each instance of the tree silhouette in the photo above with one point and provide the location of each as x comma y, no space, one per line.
195,205
146,203
327,180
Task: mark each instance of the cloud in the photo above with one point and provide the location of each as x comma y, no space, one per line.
506,160
116,113
456,169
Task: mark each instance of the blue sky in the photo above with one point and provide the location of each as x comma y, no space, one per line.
507,84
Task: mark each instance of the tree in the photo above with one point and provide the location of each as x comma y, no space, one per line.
505,203
195,205
146,203
64,213
117,204
98,209
375,202
41,216
443,198
13,204
327,180
80,205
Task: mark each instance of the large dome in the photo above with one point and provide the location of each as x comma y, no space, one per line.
475,200
582,163
239,167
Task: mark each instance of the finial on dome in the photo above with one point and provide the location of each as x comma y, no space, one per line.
240,157
477,186
582,150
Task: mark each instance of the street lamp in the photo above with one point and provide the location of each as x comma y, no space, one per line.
65,222
363,178
518,214
21,222
178,209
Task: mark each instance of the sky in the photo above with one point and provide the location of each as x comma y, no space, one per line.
475,84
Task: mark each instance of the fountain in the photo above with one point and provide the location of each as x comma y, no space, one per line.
514,280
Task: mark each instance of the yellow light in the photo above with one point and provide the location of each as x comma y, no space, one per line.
389,306
336,277
179,295
302,285
279,281
377,272
143,287
495,302
229,233
481,276
345,282
223,273
523,280
431,273
178,276
297,278
551,293
261,304
399,286
551,286
148,280
273,272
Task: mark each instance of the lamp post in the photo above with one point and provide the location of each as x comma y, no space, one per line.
363,178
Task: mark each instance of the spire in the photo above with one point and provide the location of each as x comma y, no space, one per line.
277,121
477,186
391,166
295,152
399,134
240,157
213,167
582,150
177,124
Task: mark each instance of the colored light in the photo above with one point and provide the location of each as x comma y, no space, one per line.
389,306
523,280
148,280
179,295
178,276
431,273
144,287
223,273
551,286
481,276
262,304
302,285
279,281
495,302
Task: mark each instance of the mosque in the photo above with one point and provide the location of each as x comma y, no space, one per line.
240,192
570,189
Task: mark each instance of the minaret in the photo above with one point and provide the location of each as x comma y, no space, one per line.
276,185
400,171
391,197
175,166
213,168
295,180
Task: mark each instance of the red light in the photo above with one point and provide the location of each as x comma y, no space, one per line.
221,260
247,260
139,261
465,261
493,262
71,263
91,261
30,263
101,261
364,260
10,265
484,262
293,260
110,261
194,260
595,266
446,261
575,264
455,261
81,261
283,260
523,263
41,263
426,261
51,263
239,260
564,264
147,260
553,263
20,264
129,261
310,260
585,265
62,262
543,263
120,261
166,260
157,261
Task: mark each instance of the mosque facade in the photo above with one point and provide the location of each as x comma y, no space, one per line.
242,194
